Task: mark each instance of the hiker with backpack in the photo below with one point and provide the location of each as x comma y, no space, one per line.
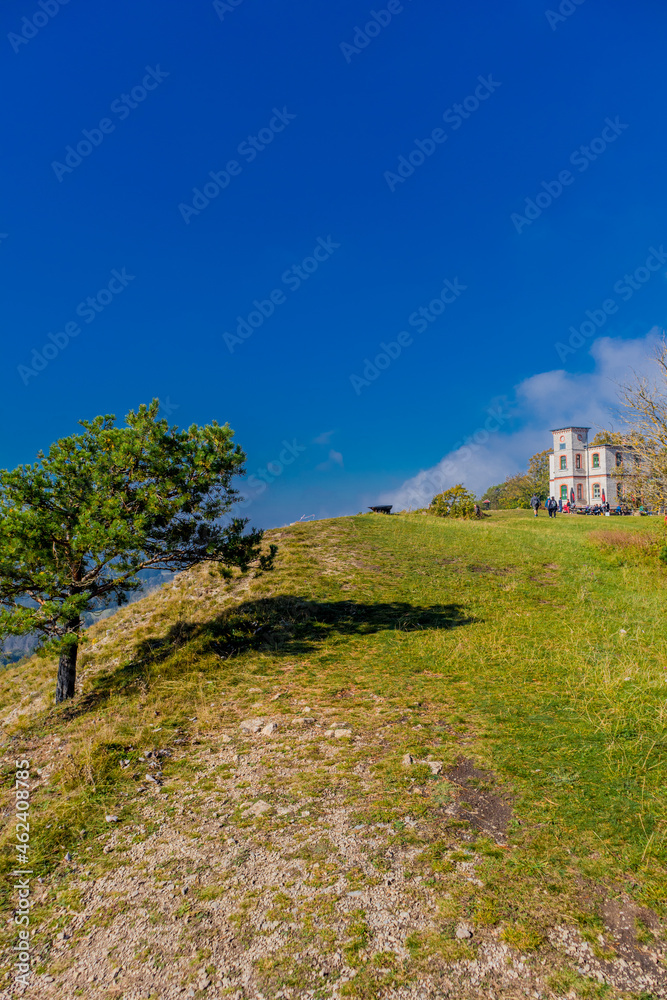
552,506
535,503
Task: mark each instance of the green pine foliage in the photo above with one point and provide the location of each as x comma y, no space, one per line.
79,525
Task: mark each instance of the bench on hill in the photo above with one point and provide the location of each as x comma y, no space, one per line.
382,509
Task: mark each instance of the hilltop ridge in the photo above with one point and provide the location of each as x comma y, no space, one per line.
420,758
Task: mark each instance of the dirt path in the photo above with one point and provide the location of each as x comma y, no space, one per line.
250,874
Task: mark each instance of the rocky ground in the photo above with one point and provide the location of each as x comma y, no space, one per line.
317,827
249,872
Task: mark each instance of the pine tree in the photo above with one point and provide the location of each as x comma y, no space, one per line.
80,524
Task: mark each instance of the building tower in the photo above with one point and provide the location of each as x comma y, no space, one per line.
578,471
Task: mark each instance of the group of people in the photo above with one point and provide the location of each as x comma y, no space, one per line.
600,508
553,507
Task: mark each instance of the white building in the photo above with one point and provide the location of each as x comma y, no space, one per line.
583,473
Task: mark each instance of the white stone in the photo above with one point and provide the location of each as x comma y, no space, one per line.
270,728
251,725
339,733
463,931
259,808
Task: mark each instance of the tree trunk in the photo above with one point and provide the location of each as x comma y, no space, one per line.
67,668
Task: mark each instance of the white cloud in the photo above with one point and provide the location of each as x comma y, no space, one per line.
335,458
550,399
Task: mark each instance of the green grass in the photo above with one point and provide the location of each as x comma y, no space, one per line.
532,647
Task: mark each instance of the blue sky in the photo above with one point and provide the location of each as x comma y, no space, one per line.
305,121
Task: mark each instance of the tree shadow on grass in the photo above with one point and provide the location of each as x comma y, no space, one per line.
282,626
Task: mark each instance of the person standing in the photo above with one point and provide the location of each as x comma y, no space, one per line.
552,506
535,503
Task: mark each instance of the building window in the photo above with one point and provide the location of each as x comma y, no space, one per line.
563,492
562,446
580,495
619,490
619,458
596,491
596,461
578,461
563,462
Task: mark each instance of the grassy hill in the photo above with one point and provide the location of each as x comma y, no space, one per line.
419,759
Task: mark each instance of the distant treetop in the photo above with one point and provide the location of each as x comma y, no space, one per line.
608,437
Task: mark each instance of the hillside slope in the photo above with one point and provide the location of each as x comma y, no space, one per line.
418,759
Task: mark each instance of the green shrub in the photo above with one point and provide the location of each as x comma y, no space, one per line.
455,502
